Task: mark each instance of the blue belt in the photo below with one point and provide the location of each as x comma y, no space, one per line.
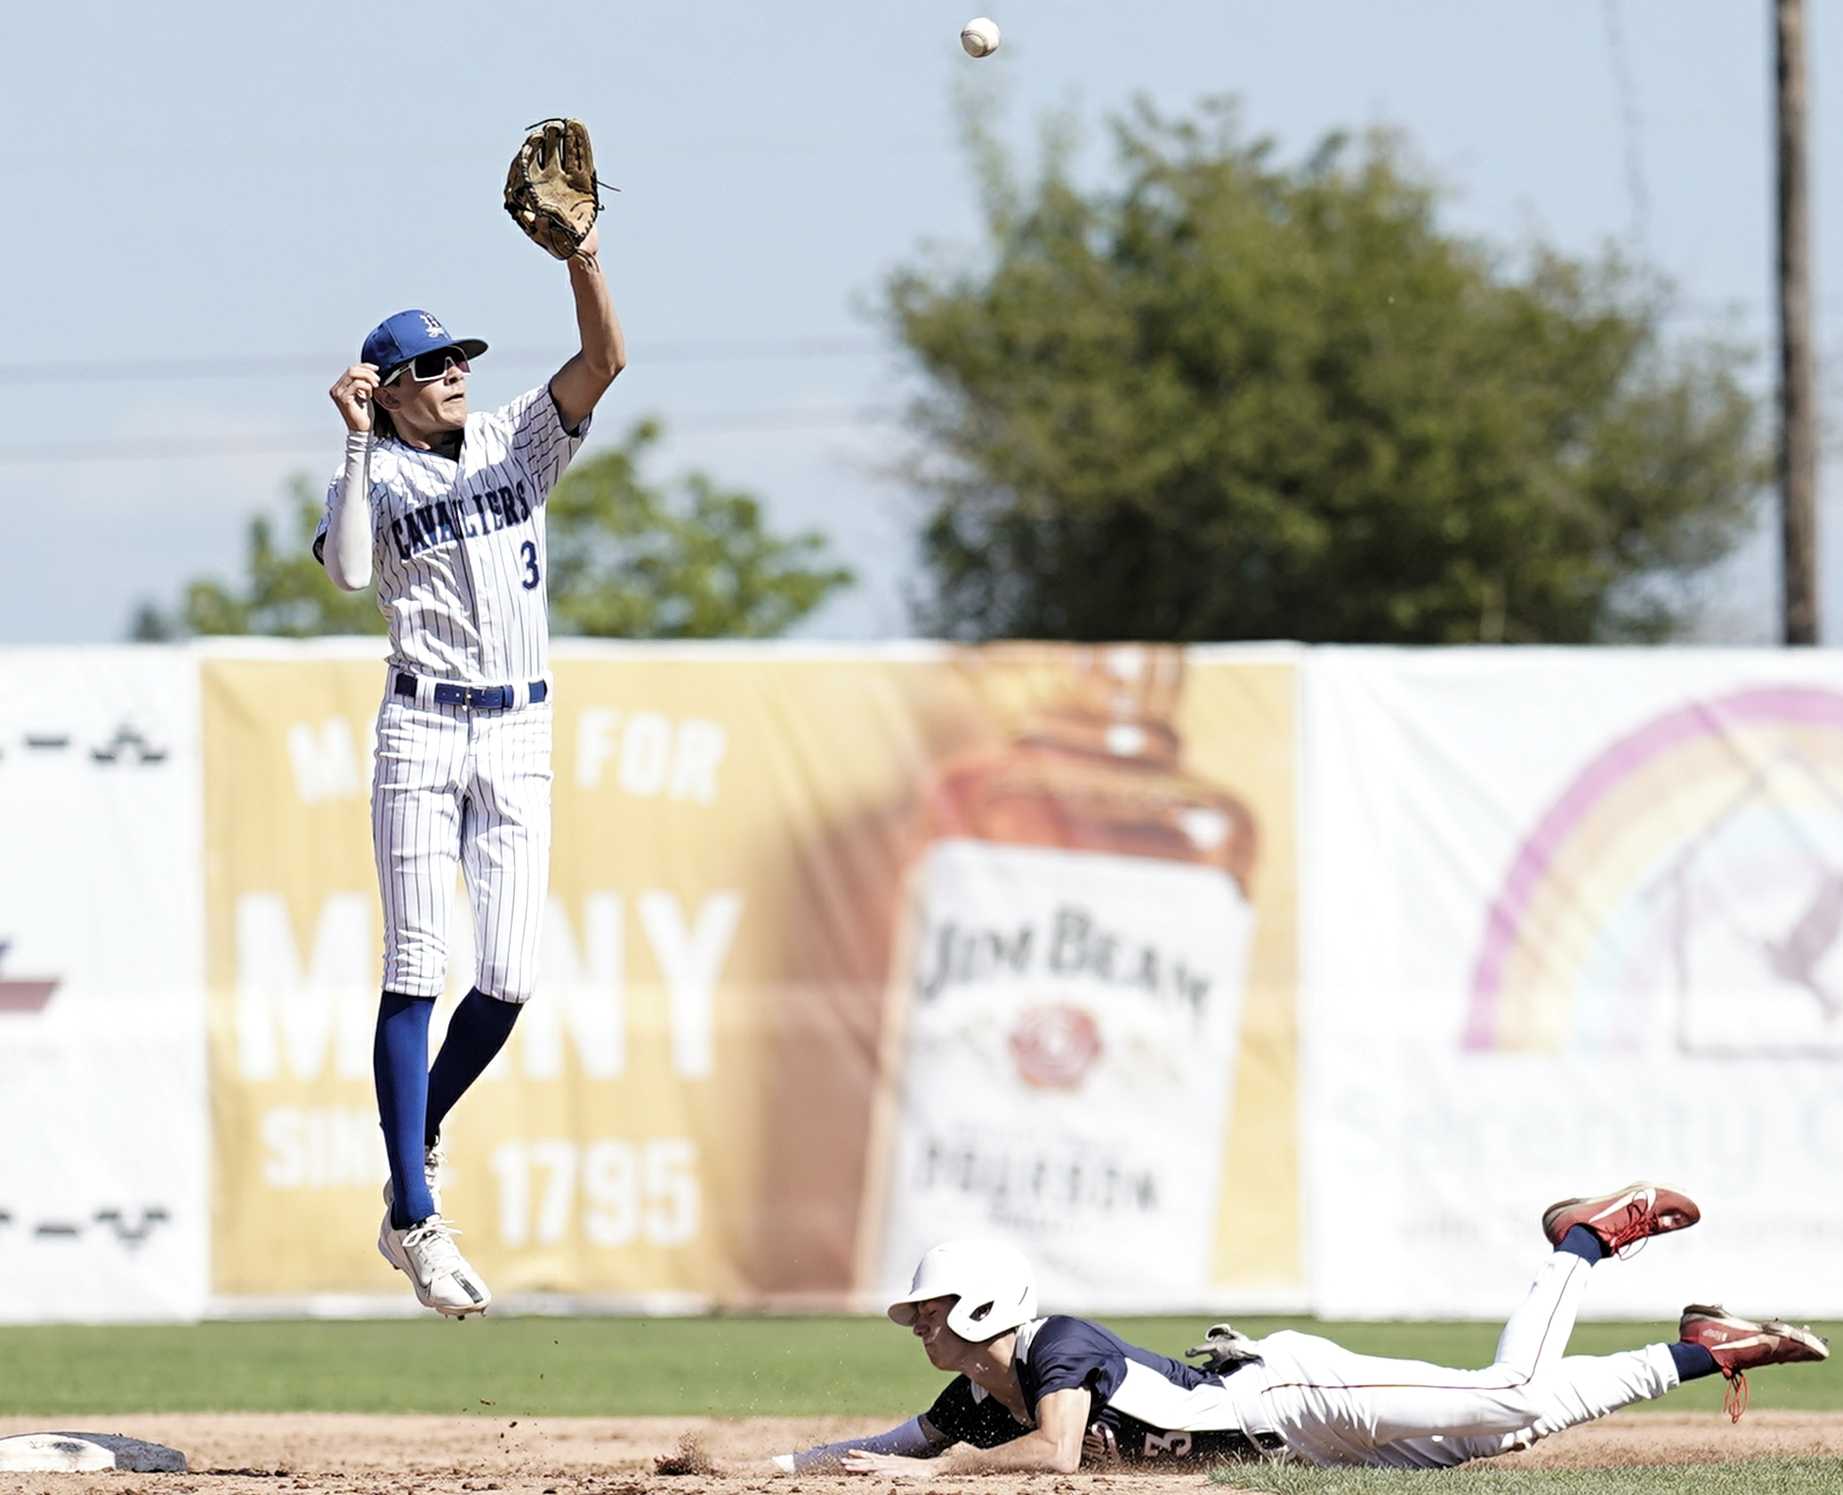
473,697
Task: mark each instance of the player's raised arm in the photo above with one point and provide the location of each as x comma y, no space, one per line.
1054,1445
554,197
345,550
581,382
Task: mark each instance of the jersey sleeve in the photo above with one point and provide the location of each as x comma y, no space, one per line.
535,428
1067,1355
961,1417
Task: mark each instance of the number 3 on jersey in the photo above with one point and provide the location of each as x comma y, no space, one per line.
529,551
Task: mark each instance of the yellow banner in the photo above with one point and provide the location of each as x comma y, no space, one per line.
754,906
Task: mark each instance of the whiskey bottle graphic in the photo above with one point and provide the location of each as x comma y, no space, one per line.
1059,1044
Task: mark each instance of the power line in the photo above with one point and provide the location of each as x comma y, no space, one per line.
323,157
181,448
204,367
1637,189
242,365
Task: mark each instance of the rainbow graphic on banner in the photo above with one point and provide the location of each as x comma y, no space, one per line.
1685,889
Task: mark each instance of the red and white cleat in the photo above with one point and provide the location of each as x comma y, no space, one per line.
1740,1345
1634,1213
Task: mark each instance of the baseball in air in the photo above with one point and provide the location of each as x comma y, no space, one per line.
980,37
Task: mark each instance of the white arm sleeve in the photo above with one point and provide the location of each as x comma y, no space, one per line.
347,551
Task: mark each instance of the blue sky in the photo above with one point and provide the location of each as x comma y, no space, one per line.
266,182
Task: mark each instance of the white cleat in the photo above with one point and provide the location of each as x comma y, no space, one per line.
434,1158
425,1253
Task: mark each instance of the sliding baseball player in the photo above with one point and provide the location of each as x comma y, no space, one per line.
1040,1393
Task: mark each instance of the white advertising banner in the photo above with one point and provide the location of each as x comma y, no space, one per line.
103,1107
1572,919
1050,1052
1473,930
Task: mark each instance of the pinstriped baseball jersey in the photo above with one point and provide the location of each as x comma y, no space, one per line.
458,546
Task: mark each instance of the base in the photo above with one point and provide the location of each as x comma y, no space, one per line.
81,1453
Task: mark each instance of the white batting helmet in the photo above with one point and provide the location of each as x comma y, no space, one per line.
992,1282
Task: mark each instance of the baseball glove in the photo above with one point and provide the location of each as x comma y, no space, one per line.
551,186
1224,1349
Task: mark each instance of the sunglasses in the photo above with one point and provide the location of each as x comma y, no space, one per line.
426,368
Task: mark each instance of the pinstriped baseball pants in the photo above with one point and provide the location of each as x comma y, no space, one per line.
450,784
1336,1407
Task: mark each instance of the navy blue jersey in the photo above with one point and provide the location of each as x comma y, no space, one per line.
1152,1406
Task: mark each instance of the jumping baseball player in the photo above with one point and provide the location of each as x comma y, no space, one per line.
1038,1393
445,509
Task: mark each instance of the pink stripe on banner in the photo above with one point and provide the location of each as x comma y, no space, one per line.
1792,705
25,996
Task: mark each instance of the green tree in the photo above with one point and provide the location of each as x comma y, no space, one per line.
627,560
1225,398
284,592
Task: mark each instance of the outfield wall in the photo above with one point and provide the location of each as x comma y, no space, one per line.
1236,977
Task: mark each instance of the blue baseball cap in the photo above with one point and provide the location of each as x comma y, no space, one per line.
398,339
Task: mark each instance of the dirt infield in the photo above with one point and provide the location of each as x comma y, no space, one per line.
265,1454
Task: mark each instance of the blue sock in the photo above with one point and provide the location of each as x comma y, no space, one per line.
1692,1361
400,1065
477,1031
1582,1242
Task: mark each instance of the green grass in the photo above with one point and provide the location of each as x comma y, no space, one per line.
633,1367
1782,1476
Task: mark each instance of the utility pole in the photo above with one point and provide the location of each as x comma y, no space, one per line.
1797,380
